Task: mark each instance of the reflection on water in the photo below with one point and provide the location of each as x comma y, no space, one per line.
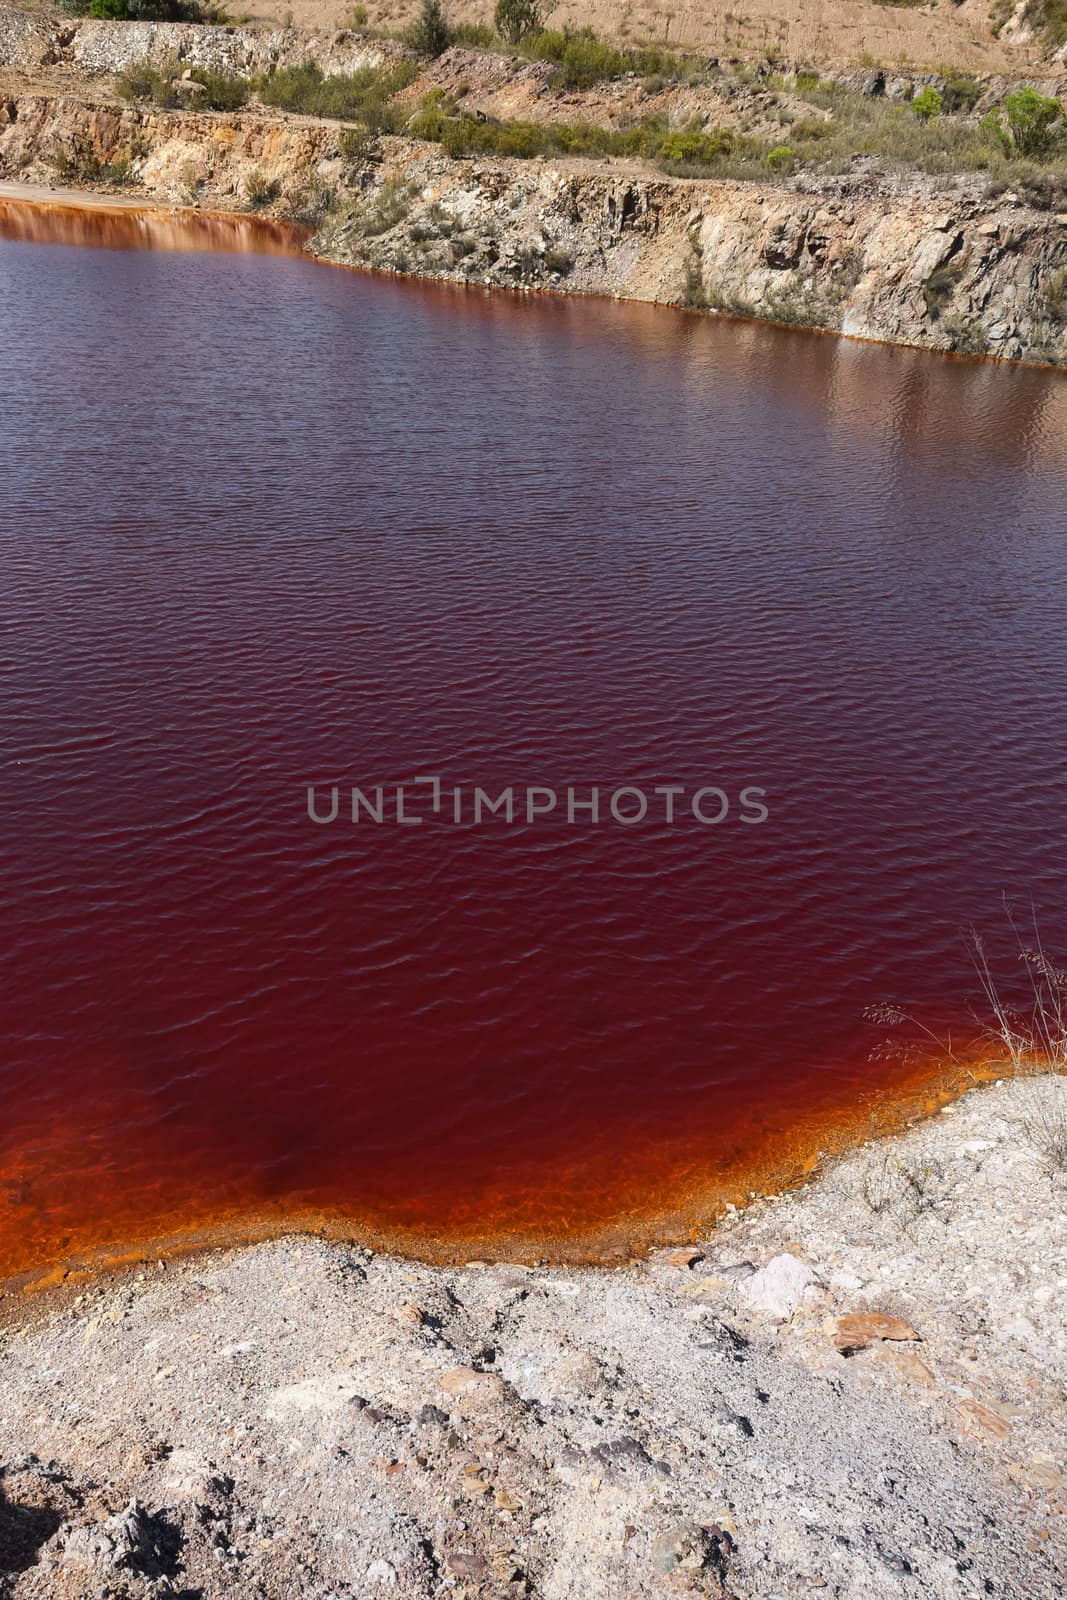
146,228
268,523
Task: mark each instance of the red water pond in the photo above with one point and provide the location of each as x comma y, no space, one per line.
266,524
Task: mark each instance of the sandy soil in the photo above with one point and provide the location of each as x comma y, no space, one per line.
854,1390
37,194
826,32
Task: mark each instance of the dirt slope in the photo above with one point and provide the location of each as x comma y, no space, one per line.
836,33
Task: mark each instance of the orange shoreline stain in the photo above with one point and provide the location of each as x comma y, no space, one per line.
666,1210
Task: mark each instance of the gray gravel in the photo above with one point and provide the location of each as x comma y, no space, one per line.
301,1418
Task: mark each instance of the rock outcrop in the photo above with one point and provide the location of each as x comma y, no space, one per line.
96,48
914,263
907,263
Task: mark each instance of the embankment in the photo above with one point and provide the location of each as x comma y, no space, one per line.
878,258
947,262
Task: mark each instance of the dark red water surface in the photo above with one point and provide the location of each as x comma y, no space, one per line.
268,524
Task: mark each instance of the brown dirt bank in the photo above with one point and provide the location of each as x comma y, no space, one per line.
956,258
970,33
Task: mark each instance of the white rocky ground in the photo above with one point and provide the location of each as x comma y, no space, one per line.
857,1390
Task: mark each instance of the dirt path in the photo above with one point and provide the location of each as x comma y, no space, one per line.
38,194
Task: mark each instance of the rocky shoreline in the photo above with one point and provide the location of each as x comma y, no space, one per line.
854,1389
853,255
946,263
858,255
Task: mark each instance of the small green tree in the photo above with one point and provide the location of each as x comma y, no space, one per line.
514,19
927,104
1031,118
430,35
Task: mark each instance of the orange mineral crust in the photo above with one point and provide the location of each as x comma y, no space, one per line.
577,1212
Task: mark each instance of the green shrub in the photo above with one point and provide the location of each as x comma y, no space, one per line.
584,60
119,171
314,204
145,10
937,290
965,338
142,81
694,295
810,128
927,104
430,35
260,189
783,158
860,125
1031,131
77,166
558,261
514,19
995,129
297,89
1054,297
680,150
435,109
193,179
355,143
462,136
693,148
223,91
390,206
474,34
1032,123
137,82
960,94
364,96
1050,18
1031,119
